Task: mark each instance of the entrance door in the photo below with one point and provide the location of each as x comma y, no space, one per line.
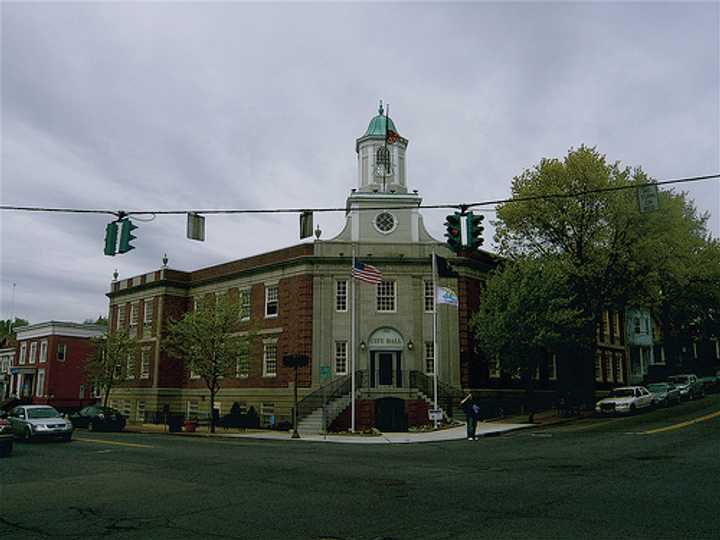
385,368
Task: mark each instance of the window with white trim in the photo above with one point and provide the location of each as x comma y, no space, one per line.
145,364
40,388
23,354
242,366
271,301
244,304
609,375
220,298
81,392
43,351
429,358
134,313
598,367
619,367
33,352
341,295
386,296
148,311
61,352
191,410
193,374
617,324
130,367
120,323
341,358
270,359
429,297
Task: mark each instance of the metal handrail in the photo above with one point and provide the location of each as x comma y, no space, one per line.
448,395
336,388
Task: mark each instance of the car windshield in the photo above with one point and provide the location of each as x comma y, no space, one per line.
657,387
106,410
622,392
681,380
44,412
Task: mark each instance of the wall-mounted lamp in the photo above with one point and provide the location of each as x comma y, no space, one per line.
411,345
362,345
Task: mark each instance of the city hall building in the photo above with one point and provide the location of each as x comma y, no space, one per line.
298,300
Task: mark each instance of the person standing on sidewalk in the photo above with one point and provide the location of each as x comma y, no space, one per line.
471,414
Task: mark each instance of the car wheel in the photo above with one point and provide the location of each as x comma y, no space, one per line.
91,426
27,435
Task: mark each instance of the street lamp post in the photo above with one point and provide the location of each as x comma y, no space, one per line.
295,361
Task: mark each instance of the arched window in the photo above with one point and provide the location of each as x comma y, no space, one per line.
382,161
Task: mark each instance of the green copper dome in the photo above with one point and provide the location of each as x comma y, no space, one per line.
377,126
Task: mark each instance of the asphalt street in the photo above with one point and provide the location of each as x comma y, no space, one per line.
654,475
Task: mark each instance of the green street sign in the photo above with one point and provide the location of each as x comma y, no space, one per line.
648,198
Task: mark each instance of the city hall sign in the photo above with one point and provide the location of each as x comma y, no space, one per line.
386,338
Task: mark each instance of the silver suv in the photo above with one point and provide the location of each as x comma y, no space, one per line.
35,421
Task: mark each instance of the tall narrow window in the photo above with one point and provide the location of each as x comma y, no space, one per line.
133,318
598,367
620,377
23,354
130,367
148,311
386,296
341,293
270,359
145,364
267,414
494,368
40,389
429,296
43,351
242,367
609,372
120,317
271,301
140,417
244,304
61,352
341,357
429,358
33,352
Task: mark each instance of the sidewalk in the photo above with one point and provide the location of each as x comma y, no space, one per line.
548,417
484,429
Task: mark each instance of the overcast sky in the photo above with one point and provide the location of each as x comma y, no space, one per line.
230,105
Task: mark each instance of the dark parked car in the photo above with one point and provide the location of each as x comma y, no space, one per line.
664,394
97,418
6,436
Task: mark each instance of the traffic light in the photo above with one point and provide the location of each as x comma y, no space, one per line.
475,230
126,235
453,234
111,231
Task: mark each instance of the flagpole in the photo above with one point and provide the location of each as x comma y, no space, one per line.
352,339
387,152
435,325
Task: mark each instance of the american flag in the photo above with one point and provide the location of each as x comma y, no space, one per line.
367,273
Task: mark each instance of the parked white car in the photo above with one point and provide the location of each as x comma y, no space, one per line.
625,400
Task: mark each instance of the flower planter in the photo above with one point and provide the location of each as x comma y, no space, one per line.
190,426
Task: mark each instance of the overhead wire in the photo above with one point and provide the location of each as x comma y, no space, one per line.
460,206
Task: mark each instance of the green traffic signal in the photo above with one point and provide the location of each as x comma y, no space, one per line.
126,235
475,230
111,231
453,234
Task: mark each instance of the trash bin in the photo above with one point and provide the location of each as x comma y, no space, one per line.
174,424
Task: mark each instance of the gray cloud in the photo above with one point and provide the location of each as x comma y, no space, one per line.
167,105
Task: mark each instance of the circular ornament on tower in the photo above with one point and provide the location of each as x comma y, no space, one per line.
385,222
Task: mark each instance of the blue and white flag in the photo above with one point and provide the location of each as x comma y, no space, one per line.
445,295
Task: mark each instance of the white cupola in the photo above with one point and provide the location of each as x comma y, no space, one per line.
381,157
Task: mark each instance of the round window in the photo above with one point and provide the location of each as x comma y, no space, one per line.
385,222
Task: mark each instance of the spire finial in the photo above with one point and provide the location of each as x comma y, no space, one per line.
380,108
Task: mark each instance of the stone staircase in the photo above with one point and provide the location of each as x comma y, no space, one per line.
313,423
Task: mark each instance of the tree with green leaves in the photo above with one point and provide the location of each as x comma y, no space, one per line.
106,366
207,341
8,326
528,308
592,229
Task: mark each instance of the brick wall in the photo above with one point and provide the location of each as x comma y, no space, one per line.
471,366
